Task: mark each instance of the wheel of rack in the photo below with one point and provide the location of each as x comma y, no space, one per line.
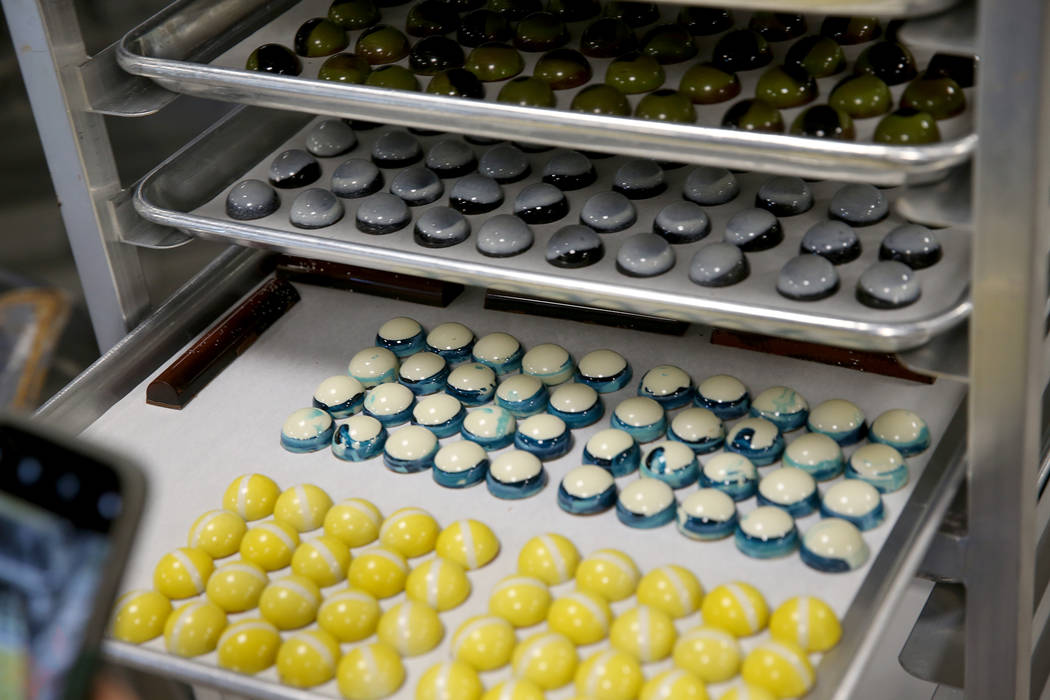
990,547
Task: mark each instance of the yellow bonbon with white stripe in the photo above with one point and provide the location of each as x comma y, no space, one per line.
780,667
194,628
806,621
324,560
290,602
747,691
645,632
608,572
551,558
248,646
523,601
411,532
738,608
217,532
548,659
139,616
609,675
674,684
514,689
350,615
582,616
410,627
709,652
439,583
486,642
270,545
251,496
353,521
671,588
182,573
308,658
303,507
379,571
370,672
449,680
469,543
236,586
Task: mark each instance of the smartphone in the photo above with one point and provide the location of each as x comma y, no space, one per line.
67,516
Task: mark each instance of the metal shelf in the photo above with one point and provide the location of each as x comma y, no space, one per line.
200,54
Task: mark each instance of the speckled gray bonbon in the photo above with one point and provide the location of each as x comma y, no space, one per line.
784,195
645,255
639,178
329,138
608,212
294,168
503,236
441,227
540,203
504,163
682,222
888,285
753,230
914,245
355,178
718,265
382,213
833,240
807,278
574,246
451,158
859,205
396,149
710,186
475,194
251,199
569,170
417,186
315,208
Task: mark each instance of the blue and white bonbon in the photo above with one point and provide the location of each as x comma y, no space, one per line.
551,364
614,450
901,429
699,429
604,370
640,416
410,449
817,454
402,336
782,406
492,427
732,473
707,514
373,366
424,373
767,532
724,395
673,463
500,351
856,501
522,395
577,404
341,396
453,341
307,430
789,488
473,383
646,504
834,545
544,435
840,420
880,465
390,403
441,414
359,438
668,385
460,464
516,474
587,490
757,439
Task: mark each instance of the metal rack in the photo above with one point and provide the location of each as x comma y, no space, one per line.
1001,553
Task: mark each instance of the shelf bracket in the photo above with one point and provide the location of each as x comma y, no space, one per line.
109,90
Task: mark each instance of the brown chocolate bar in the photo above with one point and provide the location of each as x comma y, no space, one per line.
185,377
862,360
525,304
361,279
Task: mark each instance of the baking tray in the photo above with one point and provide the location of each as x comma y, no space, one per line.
216,441
199,48
188,192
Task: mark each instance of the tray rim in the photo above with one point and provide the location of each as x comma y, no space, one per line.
823,328
775,153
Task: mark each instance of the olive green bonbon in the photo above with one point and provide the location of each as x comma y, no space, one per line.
395,77
492,62
382,44
320,36
940,96
563,69
634,73
888,60
540,31
668,43
456,82
851,30
817,55
435,54
608,37
353,14
345,68
527,91
666,106
706,84
754,115
274,58
601,99
778,26
907,126
482,26
786,86
824,122
635,14
430,18
705,21
862,97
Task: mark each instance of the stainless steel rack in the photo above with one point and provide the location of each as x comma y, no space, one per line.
1002,553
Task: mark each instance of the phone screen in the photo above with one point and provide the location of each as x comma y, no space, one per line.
57,510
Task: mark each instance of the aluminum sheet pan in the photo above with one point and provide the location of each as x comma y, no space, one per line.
232,427
188,192
200,49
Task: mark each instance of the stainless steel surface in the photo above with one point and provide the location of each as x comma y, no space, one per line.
954,31
944,203
946,355
111,90
139,232
188,312
181,63
49,48
1007,344
897,563
188,192
936,649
